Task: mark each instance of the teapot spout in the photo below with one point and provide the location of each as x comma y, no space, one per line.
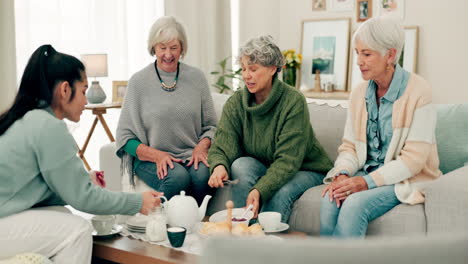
202,209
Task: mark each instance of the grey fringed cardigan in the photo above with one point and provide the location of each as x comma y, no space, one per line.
173,122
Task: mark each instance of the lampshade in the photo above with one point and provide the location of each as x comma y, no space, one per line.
96,64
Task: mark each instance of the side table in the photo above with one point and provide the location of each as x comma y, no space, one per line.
98,110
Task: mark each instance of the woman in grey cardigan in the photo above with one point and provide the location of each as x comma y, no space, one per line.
168,119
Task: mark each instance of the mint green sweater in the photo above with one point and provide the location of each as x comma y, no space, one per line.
39,166
277,133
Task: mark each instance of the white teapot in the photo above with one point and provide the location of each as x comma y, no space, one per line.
182,210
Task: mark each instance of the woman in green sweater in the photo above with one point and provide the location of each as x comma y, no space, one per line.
39,168
264,137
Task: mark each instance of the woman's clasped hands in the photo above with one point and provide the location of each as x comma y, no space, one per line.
343,186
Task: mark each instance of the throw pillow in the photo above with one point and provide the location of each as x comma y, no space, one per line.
452,136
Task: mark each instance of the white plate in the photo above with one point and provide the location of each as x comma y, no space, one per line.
115,230
221,215
282,227
138,221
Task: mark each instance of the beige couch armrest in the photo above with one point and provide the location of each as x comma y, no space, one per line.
446,203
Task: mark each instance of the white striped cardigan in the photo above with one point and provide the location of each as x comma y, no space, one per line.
411,160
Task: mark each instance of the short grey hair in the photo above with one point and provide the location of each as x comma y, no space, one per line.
166,29
381,34
262,50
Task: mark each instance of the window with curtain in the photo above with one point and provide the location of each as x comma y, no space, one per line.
118,28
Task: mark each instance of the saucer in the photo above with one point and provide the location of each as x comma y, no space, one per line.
115,230
282,227
138,221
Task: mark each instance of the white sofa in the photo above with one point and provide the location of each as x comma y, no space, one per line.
446,206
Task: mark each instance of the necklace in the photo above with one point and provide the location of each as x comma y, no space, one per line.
165,87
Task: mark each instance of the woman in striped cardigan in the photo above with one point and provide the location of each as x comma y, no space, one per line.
389,151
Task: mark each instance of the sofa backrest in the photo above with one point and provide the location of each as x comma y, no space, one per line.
327,121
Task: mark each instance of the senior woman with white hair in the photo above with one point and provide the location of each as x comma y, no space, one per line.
167,120
264,137
389,151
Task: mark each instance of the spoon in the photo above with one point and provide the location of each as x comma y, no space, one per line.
245,212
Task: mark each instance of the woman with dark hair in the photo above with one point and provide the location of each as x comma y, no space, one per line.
39,167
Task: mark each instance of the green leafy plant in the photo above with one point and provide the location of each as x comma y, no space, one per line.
225,74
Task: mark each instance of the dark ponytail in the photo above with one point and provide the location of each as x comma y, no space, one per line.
44,70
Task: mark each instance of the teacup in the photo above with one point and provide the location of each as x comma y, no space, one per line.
176,236
270,220
103,223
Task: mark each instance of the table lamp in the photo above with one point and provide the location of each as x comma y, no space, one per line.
96,66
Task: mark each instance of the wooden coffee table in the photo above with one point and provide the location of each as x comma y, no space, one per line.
125,250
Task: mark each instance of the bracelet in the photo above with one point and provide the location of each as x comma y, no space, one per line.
342,172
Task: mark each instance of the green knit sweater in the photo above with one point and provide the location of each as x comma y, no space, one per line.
277,133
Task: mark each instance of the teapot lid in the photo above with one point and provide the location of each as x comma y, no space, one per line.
182,193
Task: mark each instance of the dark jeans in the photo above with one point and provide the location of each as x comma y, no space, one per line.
181,177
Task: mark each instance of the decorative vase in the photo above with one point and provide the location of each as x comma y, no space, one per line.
289,76
95,93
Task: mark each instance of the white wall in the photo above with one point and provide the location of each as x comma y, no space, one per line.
7,54
443,41
207,25
259,17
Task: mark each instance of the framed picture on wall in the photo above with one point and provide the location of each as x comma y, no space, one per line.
324,49
319,5
363,10
341,5
408,59
119,89
394,8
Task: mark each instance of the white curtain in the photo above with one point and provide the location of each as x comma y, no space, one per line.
208,27
118,28
7,53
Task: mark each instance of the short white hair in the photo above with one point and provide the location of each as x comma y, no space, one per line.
166,29
262,50
381,34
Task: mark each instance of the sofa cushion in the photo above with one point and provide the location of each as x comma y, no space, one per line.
452,136
401,220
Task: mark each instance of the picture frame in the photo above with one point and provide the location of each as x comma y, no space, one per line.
394,8
119,89
319,5
341,5
363,10
408,59
325,47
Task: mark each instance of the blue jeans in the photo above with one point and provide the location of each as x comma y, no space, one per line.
355,213
249,170
181,177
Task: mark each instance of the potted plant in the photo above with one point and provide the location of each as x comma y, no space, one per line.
225,74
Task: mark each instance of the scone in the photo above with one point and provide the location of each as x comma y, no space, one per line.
256,230
219,228
207,228
240,230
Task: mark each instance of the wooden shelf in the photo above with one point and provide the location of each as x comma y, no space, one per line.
325,95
